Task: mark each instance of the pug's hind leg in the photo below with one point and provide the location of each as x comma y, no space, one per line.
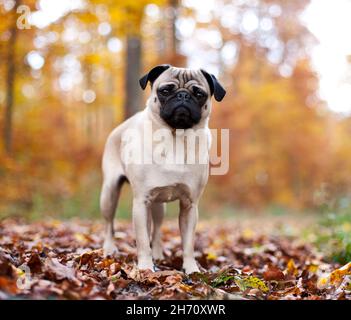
108,202
140,214
157,210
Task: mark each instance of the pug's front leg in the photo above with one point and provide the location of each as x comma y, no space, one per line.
187,222
140,220
156,242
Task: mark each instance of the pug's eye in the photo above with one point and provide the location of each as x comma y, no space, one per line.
198,93
166,90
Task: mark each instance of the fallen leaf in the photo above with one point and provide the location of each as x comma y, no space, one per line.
57,271
334,278
251,282
35,263
273,273
291,268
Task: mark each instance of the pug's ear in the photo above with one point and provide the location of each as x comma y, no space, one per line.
216,88
152,75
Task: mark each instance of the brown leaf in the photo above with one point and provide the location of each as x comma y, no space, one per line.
5,264
69,270
273,273
121,283
57,271
8,285
34,263
173,279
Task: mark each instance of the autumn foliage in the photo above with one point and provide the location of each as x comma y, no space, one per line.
69,74
64,261
65,84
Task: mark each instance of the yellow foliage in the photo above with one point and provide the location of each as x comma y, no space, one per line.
251,282
211,256
334,278
291,268
247,233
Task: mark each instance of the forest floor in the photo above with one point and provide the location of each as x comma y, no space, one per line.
240,259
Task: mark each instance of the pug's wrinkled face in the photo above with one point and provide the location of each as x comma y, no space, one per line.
181,97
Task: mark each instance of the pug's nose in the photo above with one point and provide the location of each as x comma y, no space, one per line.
183,95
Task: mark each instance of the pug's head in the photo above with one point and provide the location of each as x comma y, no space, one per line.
181,97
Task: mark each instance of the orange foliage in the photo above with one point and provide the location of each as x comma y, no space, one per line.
286,148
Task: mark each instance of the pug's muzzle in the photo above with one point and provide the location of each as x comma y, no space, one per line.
181,111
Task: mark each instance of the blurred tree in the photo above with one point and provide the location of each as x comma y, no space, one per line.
133,101
10,74
173,16
127,17
172,53
133,69
13,25
286,149
272,110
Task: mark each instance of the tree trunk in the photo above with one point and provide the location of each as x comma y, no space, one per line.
173,18
10,83
172,43
133,96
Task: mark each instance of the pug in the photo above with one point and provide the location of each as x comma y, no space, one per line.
179,106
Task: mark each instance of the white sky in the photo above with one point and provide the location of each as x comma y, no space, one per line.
50,11
330,22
